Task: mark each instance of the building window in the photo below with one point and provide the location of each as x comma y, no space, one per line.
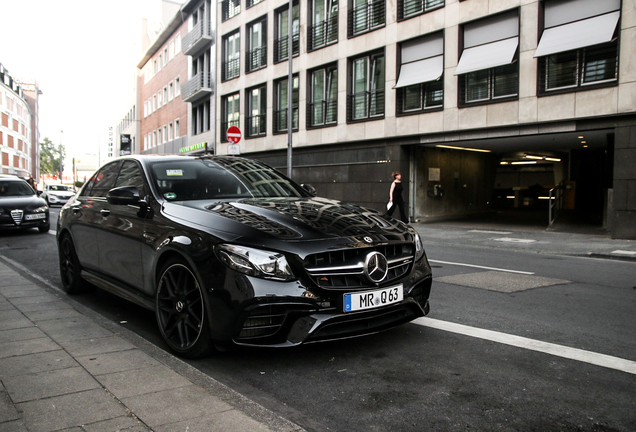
488,68
256,55
281,42
230,8
281,111
170,131
165,134
171,52
177,132
201,118
177,86
230,114
322,109
420,84
159,99
256,109
251,3
154,103
165,95
171,91
366,87
410,8
231,65
579,46
323,26
366,15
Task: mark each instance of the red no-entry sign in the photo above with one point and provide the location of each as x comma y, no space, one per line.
233,134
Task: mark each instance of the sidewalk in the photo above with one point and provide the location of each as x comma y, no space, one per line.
573,241
63,367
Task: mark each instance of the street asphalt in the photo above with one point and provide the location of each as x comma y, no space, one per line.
65,367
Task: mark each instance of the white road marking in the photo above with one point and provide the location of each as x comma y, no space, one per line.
482,267
624,252
514,240
597,359
491,232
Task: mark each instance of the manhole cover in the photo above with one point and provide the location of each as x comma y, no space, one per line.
500,281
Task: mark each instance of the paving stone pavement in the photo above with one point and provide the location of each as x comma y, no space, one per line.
65,368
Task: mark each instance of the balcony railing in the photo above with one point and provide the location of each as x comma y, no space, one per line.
366,105
322,113
256,125
196,87
230,8
323,33
230,69
196,39
280,120
367,17
281,47
256,58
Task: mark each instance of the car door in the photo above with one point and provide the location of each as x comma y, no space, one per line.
86,218
122,230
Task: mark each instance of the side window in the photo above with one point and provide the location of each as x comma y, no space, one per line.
104,180
130,175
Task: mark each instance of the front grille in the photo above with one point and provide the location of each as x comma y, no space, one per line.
345,269
263,322
17,216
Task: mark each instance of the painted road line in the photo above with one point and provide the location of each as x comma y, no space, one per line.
597,359
482,267
624,252
491,232
514,240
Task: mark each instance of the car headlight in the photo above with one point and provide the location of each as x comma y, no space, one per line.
419,247
41,209
255,262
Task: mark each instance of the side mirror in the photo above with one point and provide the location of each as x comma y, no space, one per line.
309,189
124,195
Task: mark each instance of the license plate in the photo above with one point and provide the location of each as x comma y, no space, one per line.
373,299
35,216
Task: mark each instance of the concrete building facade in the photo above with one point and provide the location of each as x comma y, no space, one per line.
481,104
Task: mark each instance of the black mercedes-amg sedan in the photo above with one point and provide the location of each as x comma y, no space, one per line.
226,250
20,206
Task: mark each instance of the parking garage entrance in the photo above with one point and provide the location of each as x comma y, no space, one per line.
561,180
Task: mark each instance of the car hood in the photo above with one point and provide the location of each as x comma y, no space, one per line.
292,219
21,202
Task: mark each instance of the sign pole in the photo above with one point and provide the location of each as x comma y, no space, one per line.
290,87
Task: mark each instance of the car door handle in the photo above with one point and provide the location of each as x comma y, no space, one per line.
105,212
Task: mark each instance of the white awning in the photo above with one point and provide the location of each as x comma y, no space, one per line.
580,34
487,56
420,71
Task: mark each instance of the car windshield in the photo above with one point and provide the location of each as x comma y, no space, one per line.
197,179
59,188
15,188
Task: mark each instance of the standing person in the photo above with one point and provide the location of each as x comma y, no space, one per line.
395,196
32,183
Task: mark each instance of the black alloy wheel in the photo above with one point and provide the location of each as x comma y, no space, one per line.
70,270
181,311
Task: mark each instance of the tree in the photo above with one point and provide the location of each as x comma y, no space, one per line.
50,155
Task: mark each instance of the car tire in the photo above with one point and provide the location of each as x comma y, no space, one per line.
70,270
181,311
44,228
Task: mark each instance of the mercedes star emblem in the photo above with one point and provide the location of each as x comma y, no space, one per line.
376,267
